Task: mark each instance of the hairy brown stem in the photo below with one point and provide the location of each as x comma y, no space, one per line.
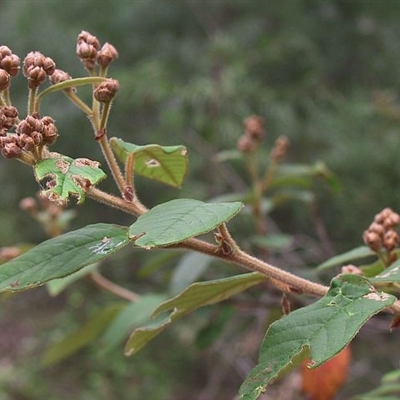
106,284
116,202
239,257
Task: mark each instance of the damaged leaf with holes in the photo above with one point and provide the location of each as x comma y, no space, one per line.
166,164
67,177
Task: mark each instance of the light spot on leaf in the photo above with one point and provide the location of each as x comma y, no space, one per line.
377,296
152,163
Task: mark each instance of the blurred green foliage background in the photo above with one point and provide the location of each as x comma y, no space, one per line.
323,73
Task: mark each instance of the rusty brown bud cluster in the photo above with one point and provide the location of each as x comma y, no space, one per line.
37,68
9,67
59,76
8,118
382,234
279,150
106,55
106,91
253,134
31,132
89,51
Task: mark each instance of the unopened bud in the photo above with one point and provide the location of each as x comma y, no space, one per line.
254,127
246,144
49,130
4,80
106,55
10,63
28,204
59,76
29,124
5,51
280,148
11,150
106,90
390,240
372,240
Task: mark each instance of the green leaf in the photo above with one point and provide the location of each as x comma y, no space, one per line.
195,296
166,164
191,266
389,389
302,175
81,337
391,274
273,241
56,286
68,177
324,328
128,318
179,219
344,258
62,256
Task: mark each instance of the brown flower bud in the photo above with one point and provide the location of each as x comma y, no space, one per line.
246,144
106,90
11,150
29,124
10,64
49,66
37,138
86,48
372,240
280,148
377,228
390,240
380,217
27,143
4,51
59,76
392,221
28,204
36,76
4,80
88,38
106,55
49,130
8,117
254,127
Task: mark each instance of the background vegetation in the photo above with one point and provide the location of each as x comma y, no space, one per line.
323,73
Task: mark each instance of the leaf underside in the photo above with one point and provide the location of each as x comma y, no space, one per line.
195,296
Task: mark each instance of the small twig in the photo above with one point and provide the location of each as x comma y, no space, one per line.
134,208
112,287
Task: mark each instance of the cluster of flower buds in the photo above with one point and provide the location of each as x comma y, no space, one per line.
254,133
381,234
106,90
8,118
31,132
279,150
37,68
9,66
89,51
